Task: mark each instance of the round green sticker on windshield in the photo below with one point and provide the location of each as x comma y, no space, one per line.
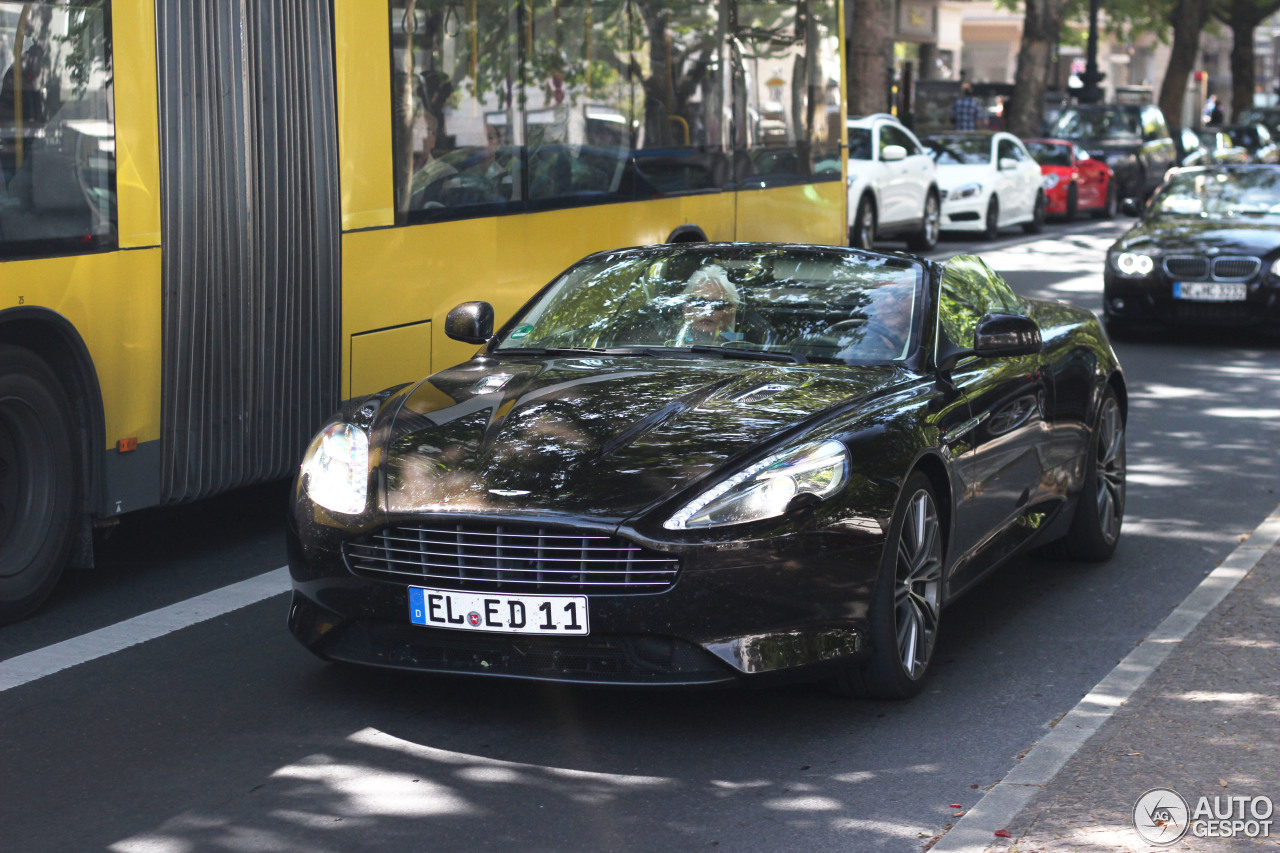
521,332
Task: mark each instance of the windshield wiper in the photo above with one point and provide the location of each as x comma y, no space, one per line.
748,354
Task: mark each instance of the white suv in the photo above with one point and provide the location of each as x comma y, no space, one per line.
893,188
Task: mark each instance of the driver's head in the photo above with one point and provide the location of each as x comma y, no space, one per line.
891,306
710,300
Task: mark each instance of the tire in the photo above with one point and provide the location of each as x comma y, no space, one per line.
906,604
39,492
1073,204
926,239
863,233
1112,204
1036,225
992,230
1095,529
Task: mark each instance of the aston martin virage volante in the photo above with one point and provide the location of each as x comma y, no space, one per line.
705,463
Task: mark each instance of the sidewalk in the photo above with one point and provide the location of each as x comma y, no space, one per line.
1195,709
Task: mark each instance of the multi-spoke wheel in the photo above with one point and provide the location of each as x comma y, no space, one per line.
1095,530
907,602
926,238
992,223
863,233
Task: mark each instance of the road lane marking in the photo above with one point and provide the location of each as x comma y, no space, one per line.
975,831
37,664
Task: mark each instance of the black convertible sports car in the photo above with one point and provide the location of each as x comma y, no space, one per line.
690,464
1206,251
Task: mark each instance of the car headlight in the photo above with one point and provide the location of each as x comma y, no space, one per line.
766,488
966,191
1050,180
1133,263
335,470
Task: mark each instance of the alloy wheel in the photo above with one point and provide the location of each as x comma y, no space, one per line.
1110,464
918,584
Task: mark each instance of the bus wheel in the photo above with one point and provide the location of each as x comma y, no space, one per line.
38,489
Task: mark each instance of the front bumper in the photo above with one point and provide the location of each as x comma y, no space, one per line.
967,214
779,608
1150,299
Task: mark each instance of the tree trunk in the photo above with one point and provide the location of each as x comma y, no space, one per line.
1242,66
1041,30
1188,18
870,56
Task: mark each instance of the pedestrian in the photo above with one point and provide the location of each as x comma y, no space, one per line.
967,110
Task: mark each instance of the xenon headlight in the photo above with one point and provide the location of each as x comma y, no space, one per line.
1134,263
765,489
335,470
966,191
1275,267
1050,180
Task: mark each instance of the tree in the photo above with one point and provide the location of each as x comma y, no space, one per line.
1243,16
870,56
1187,18
1041,31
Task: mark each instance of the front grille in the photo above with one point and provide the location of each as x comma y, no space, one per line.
1237,268
513,558
1214,312
1185,266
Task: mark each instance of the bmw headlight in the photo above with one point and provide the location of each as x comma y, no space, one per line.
335,470
966,191
766,488
1133,263
1275,267
1050,180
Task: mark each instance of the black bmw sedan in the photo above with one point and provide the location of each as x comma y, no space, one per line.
1205,252
708,463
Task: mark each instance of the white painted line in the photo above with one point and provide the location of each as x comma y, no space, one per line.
31,666
975,831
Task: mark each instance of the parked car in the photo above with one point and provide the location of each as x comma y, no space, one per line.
1073,181
1133,139
596,496
1209,146
989,181
1270,116
1205,252
1256,140
893,188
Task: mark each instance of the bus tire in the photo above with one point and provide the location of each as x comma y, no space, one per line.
38,484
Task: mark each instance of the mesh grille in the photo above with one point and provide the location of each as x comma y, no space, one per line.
513,558
1182,266
1239,268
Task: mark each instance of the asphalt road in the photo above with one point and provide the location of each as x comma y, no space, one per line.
227,735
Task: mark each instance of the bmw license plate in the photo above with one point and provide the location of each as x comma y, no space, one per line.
1208,291
494,613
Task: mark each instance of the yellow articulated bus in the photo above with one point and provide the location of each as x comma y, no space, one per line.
220,220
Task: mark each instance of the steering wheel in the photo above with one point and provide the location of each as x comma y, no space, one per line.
872,328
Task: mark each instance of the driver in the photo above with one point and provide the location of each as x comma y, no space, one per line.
710,308
888,322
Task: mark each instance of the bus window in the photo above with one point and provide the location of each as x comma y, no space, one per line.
455,90
57,137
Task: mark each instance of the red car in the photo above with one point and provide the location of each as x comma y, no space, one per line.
1073,181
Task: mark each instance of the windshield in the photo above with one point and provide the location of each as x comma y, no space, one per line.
1050,154
767,302
1209,194
960,150
1105,122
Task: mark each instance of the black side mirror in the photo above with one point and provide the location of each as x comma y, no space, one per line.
470,322
1007,335
1131,207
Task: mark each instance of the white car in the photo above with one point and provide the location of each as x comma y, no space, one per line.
892,185
989,181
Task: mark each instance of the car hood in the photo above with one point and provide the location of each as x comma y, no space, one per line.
955,175
597,437
1170,234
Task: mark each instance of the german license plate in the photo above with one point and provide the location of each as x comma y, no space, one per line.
1208,291
501,614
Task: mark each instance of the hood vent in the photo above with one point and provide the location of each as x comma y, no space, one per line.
762,392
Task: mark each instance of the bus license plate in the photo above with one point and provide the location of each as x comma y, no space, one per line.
501,614
1203,291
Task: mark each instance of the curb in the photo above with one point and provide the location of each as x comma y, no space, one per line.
975,831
